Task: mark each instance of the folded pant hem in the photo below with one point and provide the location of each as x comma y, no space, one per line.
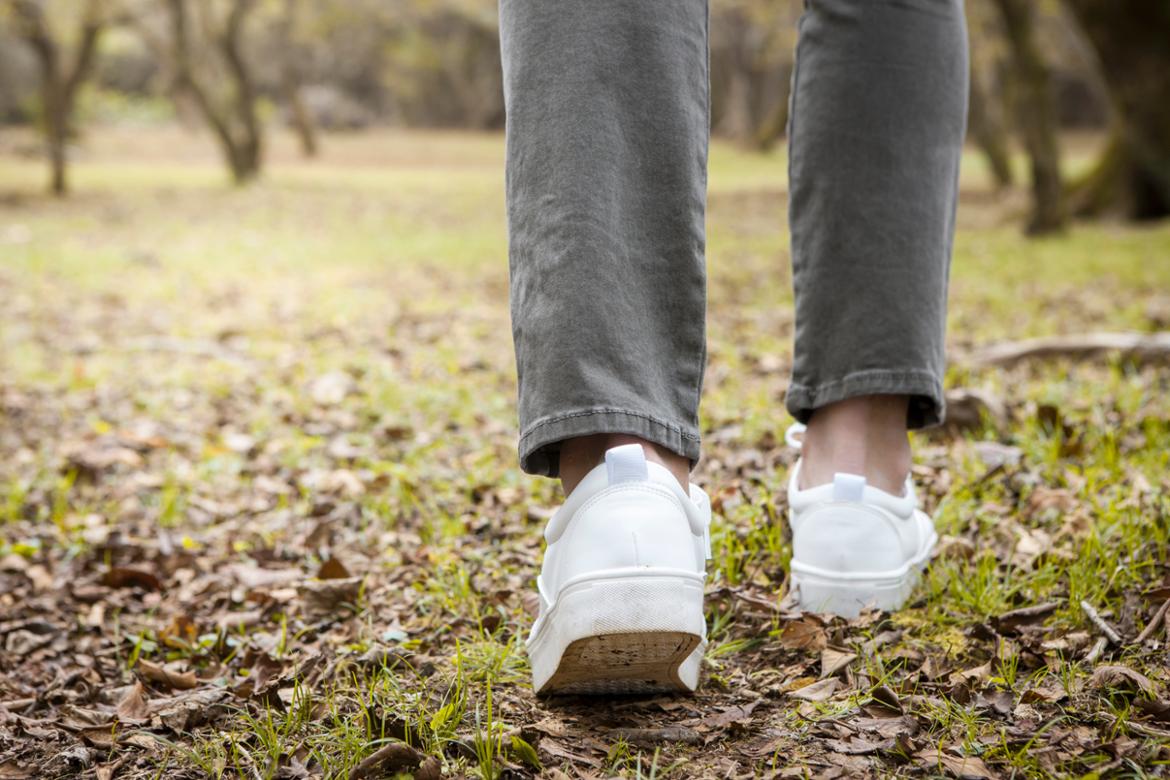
927,401
540,453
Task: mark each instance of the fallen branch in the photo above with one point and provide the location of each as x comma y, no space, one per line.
1145,731
1136,347
1155,621
648,737
1098,621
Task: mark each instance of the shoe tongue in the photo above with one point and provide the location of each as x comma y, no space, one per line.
626,463
848,487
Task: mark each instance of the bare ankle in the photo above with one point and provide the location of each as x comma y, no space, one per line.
582,454
864,435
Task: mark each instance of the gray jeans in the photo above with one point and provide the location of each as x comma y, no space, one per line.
607,128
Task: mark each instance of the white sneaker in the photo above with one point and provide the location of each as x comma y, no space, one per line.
855,546
621,589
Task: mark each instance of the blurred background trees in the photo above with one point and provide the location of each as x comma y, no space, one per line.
240,69
64,51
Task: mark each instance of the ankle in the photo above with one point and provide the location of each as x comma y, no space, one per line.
582,454
864,435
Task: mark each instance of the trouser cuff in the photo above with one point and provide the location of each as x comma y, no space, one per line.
540,442
927,403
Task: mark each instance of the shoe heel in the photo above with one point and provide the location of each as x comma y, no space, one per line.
638,632
848,598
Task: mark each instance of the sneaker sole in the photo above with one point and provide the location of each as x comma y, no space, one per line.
847,595
621,632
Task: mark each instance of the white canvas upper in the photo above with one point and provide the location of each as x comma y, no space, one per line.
628,523
854,545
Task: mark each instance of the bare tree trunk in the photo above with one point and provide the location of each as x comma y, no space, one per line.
302,120
290,82
1132,41
59,86
774,125
235,123
1036,116
250,145
987,127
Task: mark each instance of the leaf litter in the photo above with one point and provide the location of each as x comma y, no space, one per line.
267,533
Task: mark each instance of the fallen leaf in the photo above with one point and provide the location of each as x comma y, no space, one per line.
127,577
327,596
964,767
333,569
817,691
834,659
387,760
1120,678
164,676
804,633
133,707
732,715
858,746
1009,622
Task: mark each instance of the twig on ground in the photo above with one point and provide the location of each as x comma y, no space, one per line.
1138,347
654,736
1098,621
1155,621
1096,651
1145,731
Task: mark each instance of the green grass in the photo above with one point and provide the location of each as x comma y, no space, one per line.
162,313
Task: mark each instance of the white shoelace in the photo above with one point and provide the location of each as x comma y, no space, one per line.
790,435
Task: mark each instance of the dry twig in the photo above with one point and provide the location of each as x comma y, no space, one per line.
1155,621
1138,347
1098,621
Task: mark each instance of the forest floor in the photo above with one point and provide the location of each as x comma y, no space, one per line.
260,513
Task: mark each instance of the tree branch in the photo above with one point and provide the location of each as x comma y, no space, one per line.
92,26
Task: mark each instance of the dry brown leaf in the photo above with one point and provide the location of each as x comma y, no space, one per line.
858,746
133,707
885,697
387,761
128,577
1049,694
1120,678
333,569
1009,622
804,633
834,659
180,633
327,596
1158,710
188,709
164,676
733,715
976,674
817,691
967,408
963,767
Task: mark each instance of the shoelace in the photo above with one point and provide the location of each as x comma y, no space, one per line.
790,435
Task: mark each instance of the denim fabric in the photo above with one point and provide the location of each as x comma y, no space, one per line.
607,127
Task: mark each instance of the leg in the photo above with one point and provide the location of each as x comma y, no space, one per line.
606,187
877,123
606,175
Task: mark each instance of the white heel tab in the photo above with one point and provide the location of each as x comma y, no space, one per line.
848,487
626,463
702,503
